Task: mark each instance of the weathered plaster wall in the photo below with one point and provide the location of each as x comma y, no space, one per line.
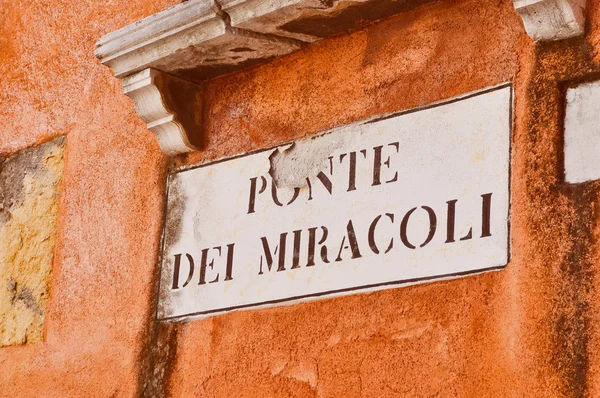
530,330
51,84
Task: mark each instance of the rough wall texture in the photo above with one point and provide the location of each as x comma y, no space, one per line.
98,312
29,187
530,330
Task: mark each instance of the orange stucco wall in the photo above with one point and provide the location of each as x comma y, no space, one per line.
529,330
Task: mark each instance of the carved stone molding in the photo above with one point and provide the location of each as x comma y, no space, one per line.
193,40
552,19
201,39
169,106
163,59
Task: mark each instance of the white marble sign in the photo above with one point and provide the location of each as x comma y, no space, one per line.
401,199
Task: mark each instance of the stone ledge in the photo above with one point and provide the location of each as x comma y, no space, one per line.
201,39
193,39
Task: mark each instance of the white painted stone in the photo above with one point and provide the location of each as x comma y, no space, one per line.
552,19
582,133
458,150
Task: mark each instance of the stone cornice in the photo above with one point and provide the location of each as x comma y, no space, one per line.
194,39
137,46
169,55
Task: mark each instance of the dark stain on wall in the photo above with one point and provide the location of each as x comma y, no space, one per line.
568,241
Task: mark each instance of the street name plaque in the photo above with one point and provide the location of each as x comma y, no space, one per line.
402,199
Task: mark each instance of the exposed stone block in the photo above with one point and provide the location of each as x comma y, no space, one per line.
29,187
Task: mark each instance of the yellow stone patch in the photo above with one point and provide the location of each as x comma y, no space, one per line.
29,186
